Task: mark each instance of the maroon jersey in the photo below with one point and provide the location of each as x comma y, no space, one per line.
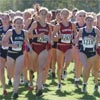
66,33
42,42
40,29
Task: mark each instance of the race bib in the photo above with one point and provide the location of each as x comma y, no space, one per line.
19,45
66,38
43,39
88,42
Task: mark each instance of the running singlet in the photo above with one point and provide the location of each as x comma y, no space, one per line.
43,41
2,35
66,33
40,29
88,42
78,27
17,39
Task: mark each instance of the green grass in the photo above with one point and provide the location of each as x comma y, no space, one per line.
68,91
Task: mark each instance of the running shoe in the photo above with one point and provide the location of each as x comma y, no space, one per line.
59,86
84,88
76,84
14,95
39,93
96,87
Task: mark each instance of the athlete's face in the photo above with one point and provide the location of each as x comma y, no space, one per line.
64,14
58,16
18,24
5,19
43,14
26,15
89,21
81,17
49,17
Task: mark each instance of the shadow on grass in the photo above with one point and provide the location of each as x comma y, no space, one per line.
62,93
46,90
97,94
7,97
9,94
31,96
71,72
50,76
78,90
86,96
63,83
53,82
46,85
70,80
23,89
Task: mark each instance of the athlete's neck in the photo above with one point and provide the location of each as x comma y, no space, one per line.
65,22
89,28
42,22
18,31
81,23
5,27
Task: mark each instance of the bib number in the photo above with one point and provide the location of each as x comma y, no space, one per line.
19,46
44,39
66,38
88,43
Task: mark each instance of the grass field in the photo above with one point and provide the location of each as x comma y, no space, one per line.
68,91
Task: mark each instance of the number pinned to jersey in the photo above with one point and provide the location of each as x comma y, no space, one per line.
19,46
66,38
43,39
88,42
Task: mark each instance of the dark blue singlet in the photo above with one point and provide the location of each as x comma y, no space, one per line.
3,50
89,51
17,39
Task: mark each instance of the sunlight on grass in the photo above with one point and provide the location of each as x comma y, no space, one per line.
68,91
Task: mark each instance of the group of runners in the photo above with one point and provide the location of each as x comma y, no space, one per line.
39,40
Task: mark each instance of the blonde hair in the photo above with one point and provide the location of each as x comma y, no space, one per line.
6,14
27,11
17,18
50,13
65,9
68,11
43,9
80,11
89,17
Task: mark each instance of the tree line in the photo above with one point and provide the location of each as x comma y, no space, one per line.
88,5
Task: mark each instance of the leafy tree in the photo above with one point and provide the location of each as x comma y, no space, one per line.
88,5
